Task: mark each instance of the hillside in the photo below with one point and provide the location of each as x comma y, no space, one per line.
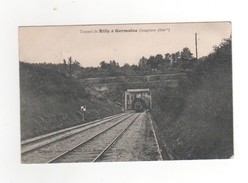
196,121
50,100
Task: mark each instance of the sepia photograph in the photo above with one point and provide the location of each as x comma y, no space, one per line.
126,92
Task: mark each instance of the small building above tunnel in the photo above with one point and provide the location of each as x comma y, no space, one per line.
132,95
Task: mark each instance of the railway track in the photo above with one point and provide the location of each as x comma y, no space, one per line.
58,146
43,140
93,149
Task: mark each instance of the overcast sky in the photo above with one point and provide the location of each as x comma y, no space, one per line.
52,44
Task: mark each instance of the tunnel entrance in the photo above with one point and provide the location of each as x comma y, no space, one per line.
133,95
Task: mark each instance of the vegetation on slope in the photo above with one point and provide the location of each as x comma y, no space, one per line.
195,120
51,100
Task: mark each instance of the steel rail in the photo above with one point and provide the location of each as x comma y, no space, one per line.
113,141
24,142
68,135
84,142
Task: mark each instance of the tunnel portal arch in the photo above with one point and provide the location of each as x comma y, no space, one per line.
132,94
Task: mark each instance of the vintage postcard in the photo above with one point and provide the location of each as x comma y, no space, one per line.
126,92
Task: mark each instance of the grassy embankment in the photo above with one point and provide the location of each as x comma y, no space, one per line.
50,100
194,121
